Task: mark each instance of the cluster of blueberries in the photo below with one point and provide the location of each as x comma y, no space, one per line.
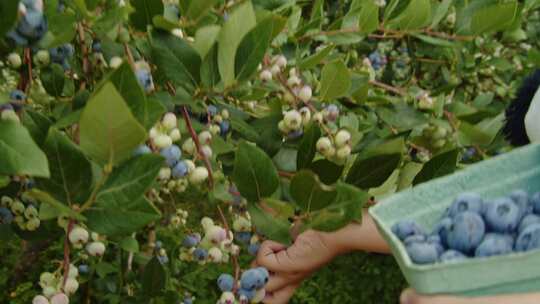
473,227
377,60
251,282
245,237
32,24
61,55
223,122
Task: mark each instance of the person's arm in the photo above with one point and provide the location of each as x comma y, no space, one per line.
409,296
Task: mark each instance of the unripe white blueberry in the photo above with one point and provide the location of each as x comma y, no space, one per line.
163,141
318,117
46,279
73,271
205,137
214,129
95,236
305,112
225,114
189,146
281,61
343,137
216,234
235,250
215,255
30,212
305,93
275,70
10,115
323,145
175,135
33,224
293,119
190,164
22,9
175,221
115,62
169,121
95,248
343,152
283,127
293,72
177,32
6,201
49,291
42,58
206,151
71,286
14,60
17,207
259,296
153,133
330,152
198,176
207,223
60,298
227,298
265,75
78,235
164,173
40,300
242,224
293,81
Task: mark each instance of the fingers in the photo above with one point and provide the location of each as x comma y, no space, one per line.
281,280
275,257
281,296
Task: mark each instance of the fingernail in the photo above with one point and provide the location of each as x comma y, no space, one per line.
407,297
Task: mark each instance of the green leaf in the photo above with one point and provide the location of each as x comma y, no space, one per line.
145,10
210,70
402,117
327,171
205,38
270,225
60,208
129,244
308,147
335,80
9,12
407,174
146,110
495,17
20,154
469,135
199,8
61,31
417,14
108,130
435,41
71,172
242,127
185,54
373,171
309,193
241,21
313,60
103,269
37,124
154,278
253,47
171,69
254,173
363,15
53,79
440,165
439,12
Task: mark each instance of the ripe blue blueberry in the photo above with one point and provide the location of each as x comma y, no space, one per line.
145,80
212,110
252,279
159,244
17,95
225,282
529,239
452,255
224,127
31,28
535,202
466,202
83,269
502,215
435,240
142,149
180,169
528,220
422,253
264,272
6,217
191,240
163,259
172,155
96,46
295,134
415,238
466,232
253,249
243,237
200,254
248,293
406,228
521,199
494,244
6,107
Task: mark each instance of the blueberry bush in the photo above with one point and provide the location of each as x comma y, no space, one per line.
148,147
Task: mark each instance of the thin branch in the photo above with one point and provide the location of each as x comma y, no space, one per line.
95,191
236,265
285,174
387,87
129,55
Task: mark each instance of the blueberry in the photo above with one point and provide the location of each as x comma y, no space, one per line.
248,293
6,217
145,80
83,268
32,26
142,149
535,202
436,241
159,244
172,155
225,282
502,215
180,169
466,202
452,255
17,95
252,279
423,253
191,240
243,237
96,46
406,228
415,238
521,199
212,110
466,232
264,272
295,134
494,244
163,259
528,220
529,238
224,127
6,107
253,249
200,254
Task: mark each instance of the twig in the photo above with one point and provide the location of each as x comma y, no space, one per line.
451,119
129,55
84,50
236,265
95,191
67,252
285,174
396,90
25,79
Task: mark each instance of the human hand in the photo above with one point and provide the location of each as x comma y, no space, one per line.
409,296
289,266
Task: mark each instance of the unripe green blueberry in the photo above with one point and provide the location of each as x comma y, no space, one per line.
190,164
169,121
206,151
283,127
60,298
47,279
440,133
95,236
280,61
42,58
318,117
95,249
225,114
242,224
40,300
218,118
293,72
33,224
329,153
293,119
78,235
216,234
305,112
6,201
214,129
175,221
17,207
439,143
227,298
30,212
198,176
205,137
207,223
189,146
115,62
14,60
275,70
343,152
10,115
215,255
305,93
177,32
175,135
73,271
343,138
71,286
164,173
293,81
163,141
266,75
49,291
323,145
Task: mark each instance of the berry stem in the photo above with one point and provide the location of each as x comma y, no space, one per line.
84,50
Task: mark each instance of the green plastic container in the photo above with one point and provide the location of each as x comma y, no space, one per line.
514,273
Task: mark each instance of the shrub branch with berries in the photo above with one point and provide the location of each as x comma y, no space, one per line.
148,144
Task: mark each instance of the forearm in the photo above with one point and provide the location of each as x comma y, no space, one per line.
358,237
